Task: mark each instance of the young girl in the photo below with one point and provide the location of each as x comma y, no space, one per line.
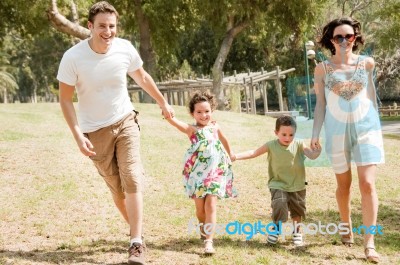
207,173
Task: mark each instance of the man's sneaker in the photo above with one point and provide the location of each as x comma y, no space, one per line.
136,254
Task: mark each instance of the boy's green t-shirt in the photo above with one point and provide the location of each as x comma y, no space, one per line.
286,168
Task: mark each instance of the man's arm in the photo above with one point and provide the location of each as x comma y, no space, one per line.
67,107
145,81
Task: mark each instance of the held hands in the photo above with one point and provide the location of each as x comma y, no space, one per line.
167,111
315,145
85,146
233,157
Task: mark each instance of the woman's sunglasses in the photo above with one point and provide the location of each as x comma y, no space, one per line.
340,39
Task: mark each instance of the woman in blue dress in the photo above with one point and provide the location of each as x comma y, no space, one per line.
347,106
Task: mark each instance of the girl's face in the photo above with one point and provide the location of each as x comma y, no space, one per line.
285,135
202,113
343,38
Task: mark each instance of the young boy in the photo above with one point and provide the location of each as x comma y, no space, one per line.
286,172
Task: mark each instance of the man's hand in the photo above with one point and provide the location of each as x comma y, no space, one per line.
167,111
85,146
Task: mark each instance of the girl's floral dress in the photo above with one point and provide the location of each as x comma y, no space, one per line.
207,168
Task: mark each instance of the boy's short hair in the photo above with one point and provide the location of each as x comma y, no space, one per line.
285,120
101,7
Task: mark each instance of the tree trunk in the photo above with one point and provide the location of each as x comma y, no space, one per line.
221,58
62,24
146,50
34,94
5,99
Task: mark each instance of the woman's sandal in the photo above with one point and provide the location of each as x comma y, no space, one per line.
208,247
374,257
347,239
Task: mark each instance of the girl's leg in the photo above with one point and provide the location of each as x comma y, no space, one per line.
369,200
343,195
210,207
200,210
201,214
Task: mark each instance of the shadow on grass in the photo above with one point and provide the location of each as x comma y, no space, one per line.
388,216
68,254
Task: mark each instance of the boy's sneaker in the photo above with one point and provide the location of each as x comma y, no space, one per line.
272,239
136,254
297,239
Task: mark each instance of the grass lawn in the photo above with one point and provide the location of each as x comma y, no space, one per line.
55,208
390,118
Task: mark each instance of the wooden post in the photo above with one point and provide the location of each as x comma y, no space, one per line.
184,97
246,96
141,96
169,99
174,98
180,98
279,88
240,100
265,95
252,97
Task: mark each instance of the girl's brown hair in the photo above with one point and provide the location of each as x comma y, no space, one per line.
202,97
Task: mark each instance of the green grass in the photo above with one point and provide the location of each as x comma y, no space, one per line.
55,209
390,118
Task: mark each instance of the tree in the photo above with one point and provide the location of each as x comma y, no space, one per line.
230,18
62,24
8,85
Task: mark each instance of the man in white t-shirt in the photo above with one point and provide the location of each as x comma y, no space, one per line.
108,131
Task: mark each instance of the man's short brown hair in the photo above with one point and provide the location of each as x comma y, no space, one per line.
101,7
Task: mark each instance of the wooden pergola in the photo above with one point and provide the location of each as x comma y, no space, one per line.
177,91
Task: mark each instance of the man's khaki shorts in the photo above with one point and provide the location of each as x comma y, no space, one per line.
117,156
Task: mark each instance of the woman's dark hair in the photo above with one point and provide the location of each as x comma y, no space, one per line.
202,97
285,120
327,33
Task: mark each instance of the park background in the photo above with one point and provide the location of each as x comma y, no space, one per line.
55,209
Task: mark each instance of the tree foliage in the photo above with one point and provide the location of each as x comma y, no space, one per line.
189,36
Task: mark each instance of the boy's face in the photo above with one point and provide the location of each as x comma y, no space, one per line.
285,135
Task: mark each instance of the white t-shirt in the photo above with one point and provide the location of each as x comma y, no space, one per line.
100,81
